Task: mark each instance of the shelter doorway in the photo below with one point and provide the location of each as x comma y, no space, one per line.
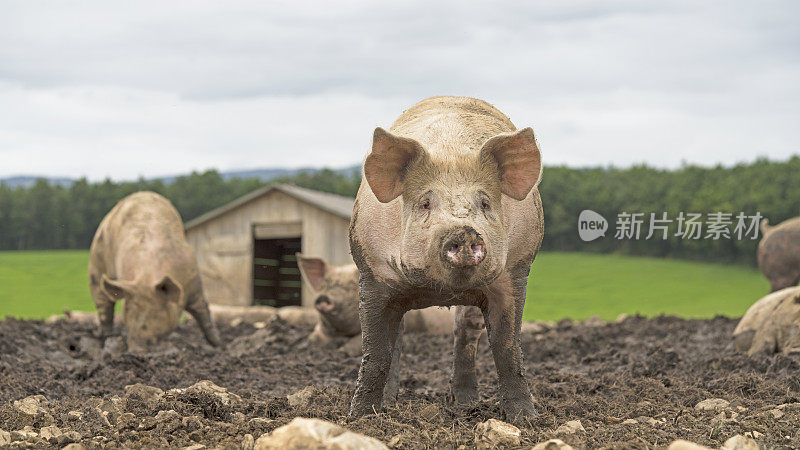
276,277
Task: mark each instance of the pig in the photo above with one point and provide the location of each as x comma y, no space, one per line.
140,255
779,253
448,214
335,290
771,325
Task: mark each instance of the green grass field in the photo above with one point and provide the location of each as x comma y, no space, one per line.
575,285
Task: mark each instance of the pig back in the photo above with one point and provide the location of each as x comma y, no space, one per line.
143,232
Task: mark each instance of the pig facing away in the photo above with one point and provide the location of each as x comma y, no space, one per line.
779,253
448,213
335,289
140,255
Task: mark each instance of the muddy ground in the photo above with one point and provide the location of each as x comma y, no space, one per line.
651,371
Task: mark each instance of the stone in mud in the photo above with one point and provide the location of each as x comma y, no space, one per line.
302,398
5,437
143,392
303,433
712,404
552,444
680,444
33,409
571,427
209,388
740,442
495,433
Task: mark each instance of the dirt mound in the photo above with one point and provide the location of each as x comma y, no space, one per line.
632,384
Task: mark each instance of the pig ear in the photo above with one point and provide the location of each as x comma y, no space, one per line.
313,271
115,290
518,159
386,166
169,289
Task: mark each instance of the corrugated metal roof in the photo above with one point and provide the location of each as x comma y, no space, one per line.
332,203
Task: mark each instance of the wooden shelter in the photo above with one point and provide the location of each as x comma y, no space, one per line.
246,248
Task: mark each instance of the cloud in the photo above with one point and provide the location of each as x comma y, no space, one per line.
123,89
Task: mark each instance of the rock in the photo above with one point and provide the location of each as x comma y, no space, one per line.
740,442
571,427
776,413
5,437
32,409
50,434
25,434
95,415
680,444
74,447
753,434
248,442
194,447
302,433
495,433
712,404
166,420
302,398
259,325
143,392
126,420
552,444
209,388
630,422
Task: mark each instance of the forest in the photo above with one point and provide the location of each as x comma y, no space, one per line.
49,216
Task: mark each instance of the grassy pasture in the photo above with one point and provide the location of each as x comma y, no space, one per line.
37,284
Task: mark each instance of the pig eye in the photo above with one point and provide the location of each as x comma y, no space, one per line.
425,205
485,205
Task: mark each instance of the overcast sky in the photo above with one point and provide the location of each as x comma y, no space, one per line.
123,89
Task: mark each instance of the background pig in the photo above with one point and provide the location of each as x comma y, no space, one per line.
771,325
336,298
140,255
779,253
448,213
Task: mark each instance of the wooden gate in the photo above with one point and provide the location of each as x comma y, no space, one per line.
276,278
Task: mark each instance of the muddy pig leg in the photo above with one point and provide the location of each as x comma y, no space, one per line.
105,307
380,328
393,381
503,314
197,306
469,324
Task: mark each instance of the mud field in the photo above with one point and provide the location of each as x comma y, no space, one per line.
633,384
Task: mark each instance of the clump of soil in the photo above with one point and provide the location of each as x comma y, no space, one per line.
633,384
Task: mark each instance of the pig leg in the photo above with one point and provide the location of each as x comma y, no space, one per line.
503,314
105,308
468,327
380,327
197,306
393,381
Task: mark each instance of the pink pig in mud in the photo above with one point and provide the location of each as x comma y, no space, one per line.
140,255
448,214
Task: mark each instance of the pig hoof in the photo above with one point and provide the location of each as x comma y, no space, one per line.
464,396
519,409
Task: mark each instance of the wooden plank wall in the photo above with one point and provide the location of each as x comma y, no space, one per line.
224,245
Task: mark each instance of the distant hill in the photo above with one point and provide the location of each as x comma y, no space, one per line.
265,174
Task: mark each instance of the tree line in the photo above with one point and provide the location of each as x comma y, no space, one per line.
46,216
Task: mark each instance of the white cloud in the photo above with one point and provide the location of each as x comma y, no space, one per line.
123,89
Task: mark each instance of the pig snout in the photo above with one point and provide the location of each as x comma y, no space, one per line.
464,248
323,304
